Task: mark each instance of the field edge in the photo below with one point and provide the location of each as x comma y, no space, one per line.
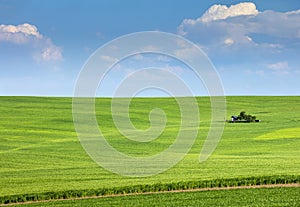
155,188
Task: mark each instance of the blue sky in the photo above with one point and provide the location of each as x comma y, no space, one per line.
255,46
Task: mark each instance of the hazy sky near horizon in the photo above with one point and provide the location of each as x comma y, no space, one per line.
254,45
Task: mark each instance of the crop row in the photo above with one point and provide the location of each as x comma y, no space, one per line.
159,187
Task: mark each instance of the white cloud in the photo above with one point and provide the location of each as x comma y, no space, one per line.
109,59
250,30
19,34
138,56
28,34
294,12
280,68
175,69
217,12
187,52
228,41
51,53
249,38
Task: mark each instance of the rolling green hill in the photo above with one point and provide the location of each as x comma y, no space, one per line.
40,151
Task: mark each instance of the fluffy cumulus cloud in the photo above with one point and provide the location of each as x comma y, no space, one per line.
28,34
217,12
19,34
242,28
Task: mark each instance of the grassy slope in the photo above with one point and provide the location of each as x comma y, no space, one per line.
237,197
40,151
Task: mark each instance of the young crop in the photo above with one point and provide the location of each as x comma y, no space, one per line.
42,159
159,187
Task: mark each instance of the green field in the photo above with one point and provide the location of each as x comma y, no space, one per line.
237,197
40,151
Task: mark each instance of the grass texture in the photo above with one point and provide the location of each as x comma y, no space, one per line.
40,151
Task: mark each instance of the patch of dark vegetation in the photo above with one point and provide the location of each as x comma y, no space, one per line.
243,118
159,187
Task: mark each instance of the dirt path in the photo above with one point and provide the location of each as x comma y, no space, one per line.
173,191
